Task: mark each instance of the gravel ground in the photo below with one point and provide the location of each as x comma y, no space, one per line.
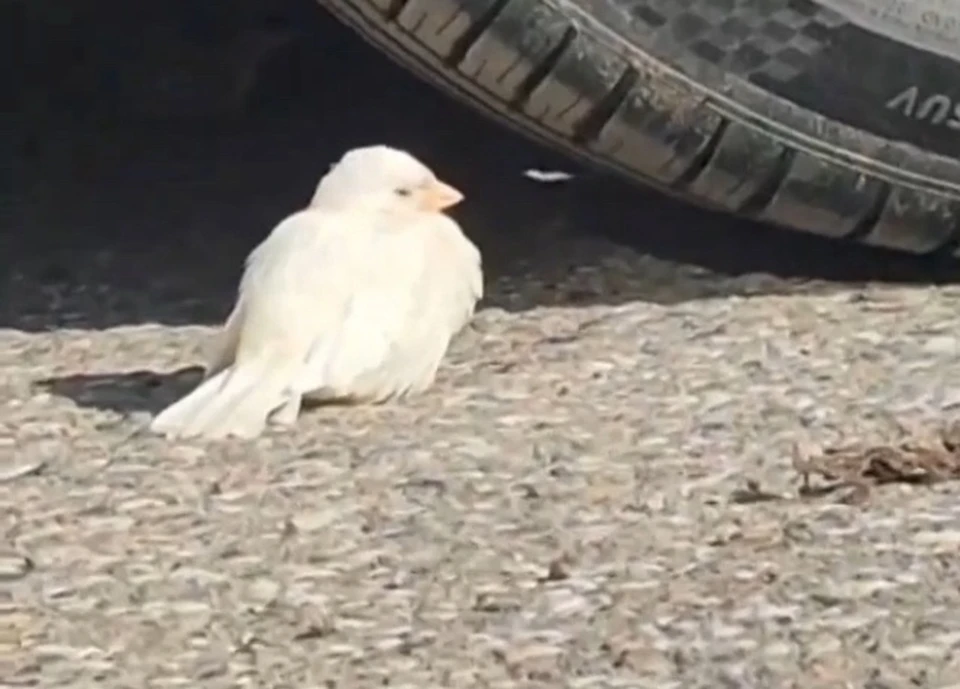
559,510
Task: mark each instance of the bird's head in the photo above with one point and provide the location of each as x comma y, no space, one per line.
380,178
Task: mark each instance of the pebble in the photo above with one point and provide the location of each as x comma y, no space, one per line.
14,566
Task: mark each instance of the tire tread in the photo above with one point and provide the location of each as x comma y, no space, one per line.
707,130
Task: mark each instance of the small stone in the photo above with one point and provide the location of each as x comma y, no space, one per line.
942,344
263,591
14,566
139,417
946,539
21,470
315,521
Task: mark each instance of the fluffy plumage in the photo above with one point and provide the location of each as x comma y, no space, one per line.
355,298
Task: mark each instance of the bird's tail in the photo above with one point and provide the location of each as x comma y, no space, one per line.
234,402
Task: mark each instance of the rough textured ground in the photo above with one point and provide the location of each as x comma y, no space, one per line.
558,511
561,510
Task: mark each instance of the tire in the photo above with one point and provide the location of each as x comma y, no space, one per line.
836,117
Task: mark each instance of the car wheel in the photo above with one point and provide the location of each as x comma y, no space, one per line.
837,117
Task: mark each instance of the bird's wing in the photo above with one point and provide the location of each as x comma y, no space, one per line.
415,287
296,286
380,309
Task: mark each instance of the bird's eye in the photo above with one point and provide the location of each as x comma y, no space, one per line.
404,191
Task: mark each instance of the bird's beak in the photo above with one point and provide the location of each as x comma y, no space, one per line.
439,196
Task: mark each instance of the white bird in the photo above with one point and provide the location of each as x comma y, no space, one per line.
353,299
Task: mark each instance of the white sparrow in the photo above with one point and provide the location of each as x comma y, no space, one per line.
353,299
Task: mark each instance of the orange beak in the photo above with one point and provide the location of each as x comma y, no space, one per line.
438,197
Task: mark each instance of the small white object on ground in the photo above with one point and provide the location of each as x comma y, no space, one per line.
548,176
353,299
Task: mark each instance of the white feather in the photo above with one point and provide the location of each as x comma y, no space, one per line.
282,304
397,326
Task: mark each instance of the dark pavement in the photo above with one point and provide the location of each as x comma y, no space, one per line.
152,215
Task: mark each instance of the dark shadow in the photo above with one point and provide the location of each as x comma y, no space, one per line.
132,392
119,222
125,393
